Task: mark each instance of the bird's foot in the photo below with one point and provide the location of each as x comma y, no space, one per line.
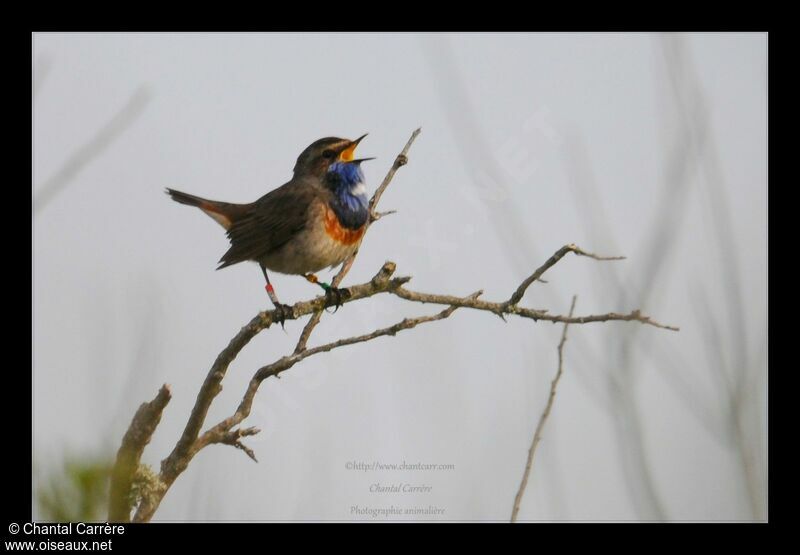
335,297
282,312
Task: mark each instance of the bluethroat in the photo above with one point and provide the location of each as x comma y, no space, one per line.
314,221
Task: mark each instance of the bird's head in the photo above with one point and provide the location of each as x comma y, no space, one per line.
329,154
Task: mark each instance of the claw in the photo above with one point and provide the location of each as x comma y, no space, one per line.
335,296
282,312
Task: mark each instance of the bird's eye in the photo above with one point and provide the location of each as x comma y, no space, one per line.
328,154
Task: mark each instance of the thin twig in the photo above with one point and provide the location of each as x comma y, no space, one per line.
315,318
559,254
234,438
400,161
537,436
503,308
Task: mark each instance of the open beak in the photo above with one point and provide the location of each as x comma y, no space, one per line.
347,154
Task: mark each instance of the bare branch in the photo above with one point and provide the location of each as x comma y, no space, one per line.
173,465
139,432
552,261
314,320
184,450
537,436
399,162
234,438
503,308
191,442
228,437
405,324
378,215
283,364
382,284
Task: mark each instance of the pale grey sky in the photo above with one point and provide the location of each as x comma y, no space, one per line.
529,142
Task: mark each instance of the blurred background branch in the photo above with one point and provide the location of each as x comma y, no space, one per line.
691,152
41,69
742,368
91,150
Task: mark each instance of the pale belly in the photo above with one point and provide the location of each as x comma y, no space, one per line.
324,244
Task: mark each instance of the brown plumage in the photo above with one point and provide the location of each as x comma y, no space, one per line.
315,220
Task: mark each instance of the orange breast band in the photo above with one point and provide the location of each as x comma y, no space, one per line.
341,234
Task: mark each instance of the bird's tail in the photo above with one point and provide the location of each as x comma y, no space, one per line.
185,198
224,213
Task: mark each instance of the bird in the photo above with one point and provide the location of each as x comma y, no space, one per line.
315,220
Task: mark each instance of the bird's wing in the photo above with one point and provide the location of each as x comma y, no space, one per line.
270,223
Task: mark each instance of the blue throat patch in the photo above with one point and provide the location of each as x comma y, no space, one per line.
349,207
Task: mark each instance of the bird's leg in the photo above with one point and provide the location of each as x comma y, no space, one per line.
334,295
282,311
311,278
